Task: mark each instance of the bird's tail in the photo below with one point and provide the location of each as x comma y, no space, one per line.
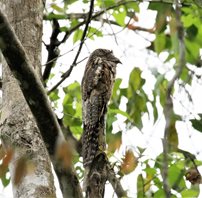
90,144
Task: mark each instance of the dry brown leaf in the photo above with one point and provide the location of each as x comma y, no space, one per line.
129,162
193,176
8,157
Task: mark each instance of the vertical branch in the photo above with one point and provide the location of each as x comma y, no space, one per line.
53,51
36,98
168,109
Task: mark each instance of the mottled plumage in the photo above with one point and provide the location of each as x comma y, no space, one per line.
97,86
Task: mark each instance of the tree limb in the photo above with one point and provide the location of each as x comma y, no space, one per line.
36,98
53,51
115,182
168,109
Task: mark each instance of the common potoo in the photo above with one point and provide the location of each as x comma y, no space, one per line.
96,88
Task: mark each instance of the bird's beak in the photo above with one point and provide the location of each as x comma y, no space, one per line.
117,61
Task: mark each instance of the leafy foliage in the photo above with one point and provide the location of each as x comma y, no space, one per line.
165,41
72,108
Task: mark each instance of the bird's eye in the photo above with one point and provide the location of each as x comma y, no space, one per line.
111,51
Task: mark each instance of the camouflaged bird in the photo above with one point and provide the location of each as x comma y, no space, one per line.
96,87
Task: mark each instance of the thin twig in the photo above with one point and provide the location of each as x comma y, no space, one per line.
68,72
115,182
168,109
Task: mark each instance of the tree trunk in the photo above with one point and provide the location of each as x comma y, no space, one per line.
18,128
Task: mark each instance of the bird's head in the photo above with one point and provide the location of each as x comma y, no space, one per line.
104,54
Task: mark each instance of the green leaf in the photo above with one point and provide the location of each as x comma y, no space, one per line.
57,8
74,22
133,5
162,91
163,10
175,177
76,130
159,193
77,35
141,150
94,31
160,43
184,75
110,119
5,181
72,106
149,170
54,95
198,163
64,29
155,111
105,4
197,124
157,182
68,110
187,20
191,32
137,98
135,81
135,107
118,111
69,2
120,16
74,90
140,186
117,84
52,16
3,171
190,193
192,49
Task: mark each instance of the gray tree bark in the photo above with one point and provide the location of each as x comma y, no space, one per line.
18,128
